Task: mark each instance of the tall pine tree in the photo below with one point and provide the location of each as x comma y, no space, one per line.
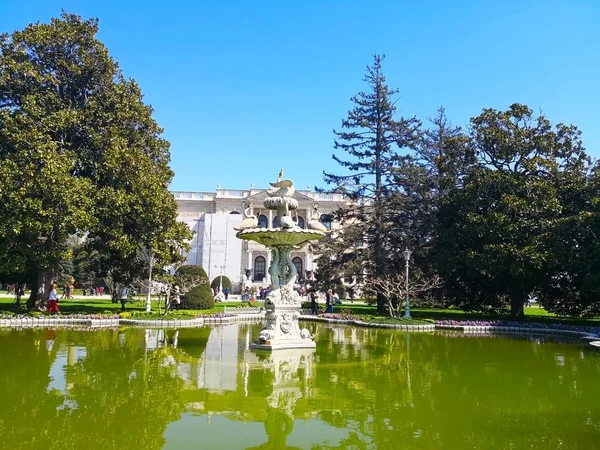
370,140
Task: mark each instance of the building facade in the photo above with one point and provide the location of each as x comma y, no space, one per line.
213,215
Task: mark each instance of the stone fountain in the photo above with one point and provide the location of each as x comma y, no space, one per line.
283,302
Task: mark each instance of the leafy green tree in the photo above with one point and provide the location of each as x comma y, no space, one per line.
79,153
494,234
371,137
84,264
573,284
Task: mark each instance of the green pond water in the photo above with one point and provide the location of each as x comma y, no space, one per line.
361,389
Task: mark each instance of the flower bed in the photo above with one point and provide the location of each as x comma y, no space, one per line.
529,326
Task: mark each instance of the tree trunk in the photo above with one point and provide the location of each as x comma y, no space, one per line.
115,290
381,302
40,279
517,303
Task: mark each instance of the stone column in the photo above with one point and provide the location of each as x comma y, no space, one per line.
308,262
268,275
270,219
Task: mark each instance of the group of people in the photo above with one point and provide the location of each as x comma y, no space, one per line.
331,299
224,296
17,289
97,291
171,294
67,291
252,293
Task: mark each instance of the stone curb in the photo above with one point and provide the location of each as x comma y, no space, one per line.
248,310
411,328
518,330
465,328
30,322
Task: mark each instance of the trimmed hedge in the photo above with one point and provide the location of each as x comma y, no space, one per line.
199,297
226,283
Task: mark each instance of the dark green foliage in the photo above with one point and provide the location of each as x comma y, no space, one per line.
496,235
574,265
341,291
199,297
226,283
79,153
193,282
189,271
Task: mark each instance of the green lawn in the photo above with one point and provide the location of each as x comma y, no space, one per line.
533,314
103,305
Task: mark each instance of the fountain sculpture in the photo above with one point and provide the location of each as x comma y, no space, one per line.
283,302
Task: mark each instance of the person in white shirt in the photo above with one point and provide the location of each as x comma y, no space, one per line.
123,296
53,300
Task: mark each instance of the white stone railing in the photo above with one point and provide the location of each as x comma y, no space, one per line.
221,193
179,195
326,196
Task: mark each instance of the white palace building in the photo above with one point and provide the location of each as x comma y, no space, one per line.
215,247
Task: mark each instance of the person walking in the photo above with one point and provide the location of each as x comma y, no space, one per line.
53,300
123,296
176,297
329,301
226,293
313,302
336,299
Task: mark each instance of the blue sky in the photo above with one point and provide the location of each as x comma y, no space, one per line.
243,88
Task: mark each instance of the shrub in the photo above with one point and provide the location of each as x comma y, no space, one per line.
200,296
226,283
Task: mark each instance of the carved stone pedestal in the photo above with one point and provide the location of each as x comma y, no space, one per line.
282,329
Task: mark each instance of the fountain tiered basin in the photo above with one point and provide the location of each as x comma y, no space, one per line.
283,302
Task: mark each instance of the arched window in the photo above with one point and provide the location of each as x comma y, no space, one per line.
276,222
299,265
260,268
301,221
263,222
326,220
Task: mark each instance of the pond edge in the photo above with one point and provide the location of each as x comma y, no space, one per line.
592,339
26,322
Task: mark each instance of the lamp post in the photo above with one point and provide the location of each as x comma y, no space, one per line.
222,267
407,254
149,294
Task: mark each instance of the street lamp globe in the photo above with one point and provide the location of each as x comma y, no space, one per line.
407,254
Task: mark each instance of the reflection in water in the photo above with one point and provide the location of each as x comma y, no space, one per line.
361,388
